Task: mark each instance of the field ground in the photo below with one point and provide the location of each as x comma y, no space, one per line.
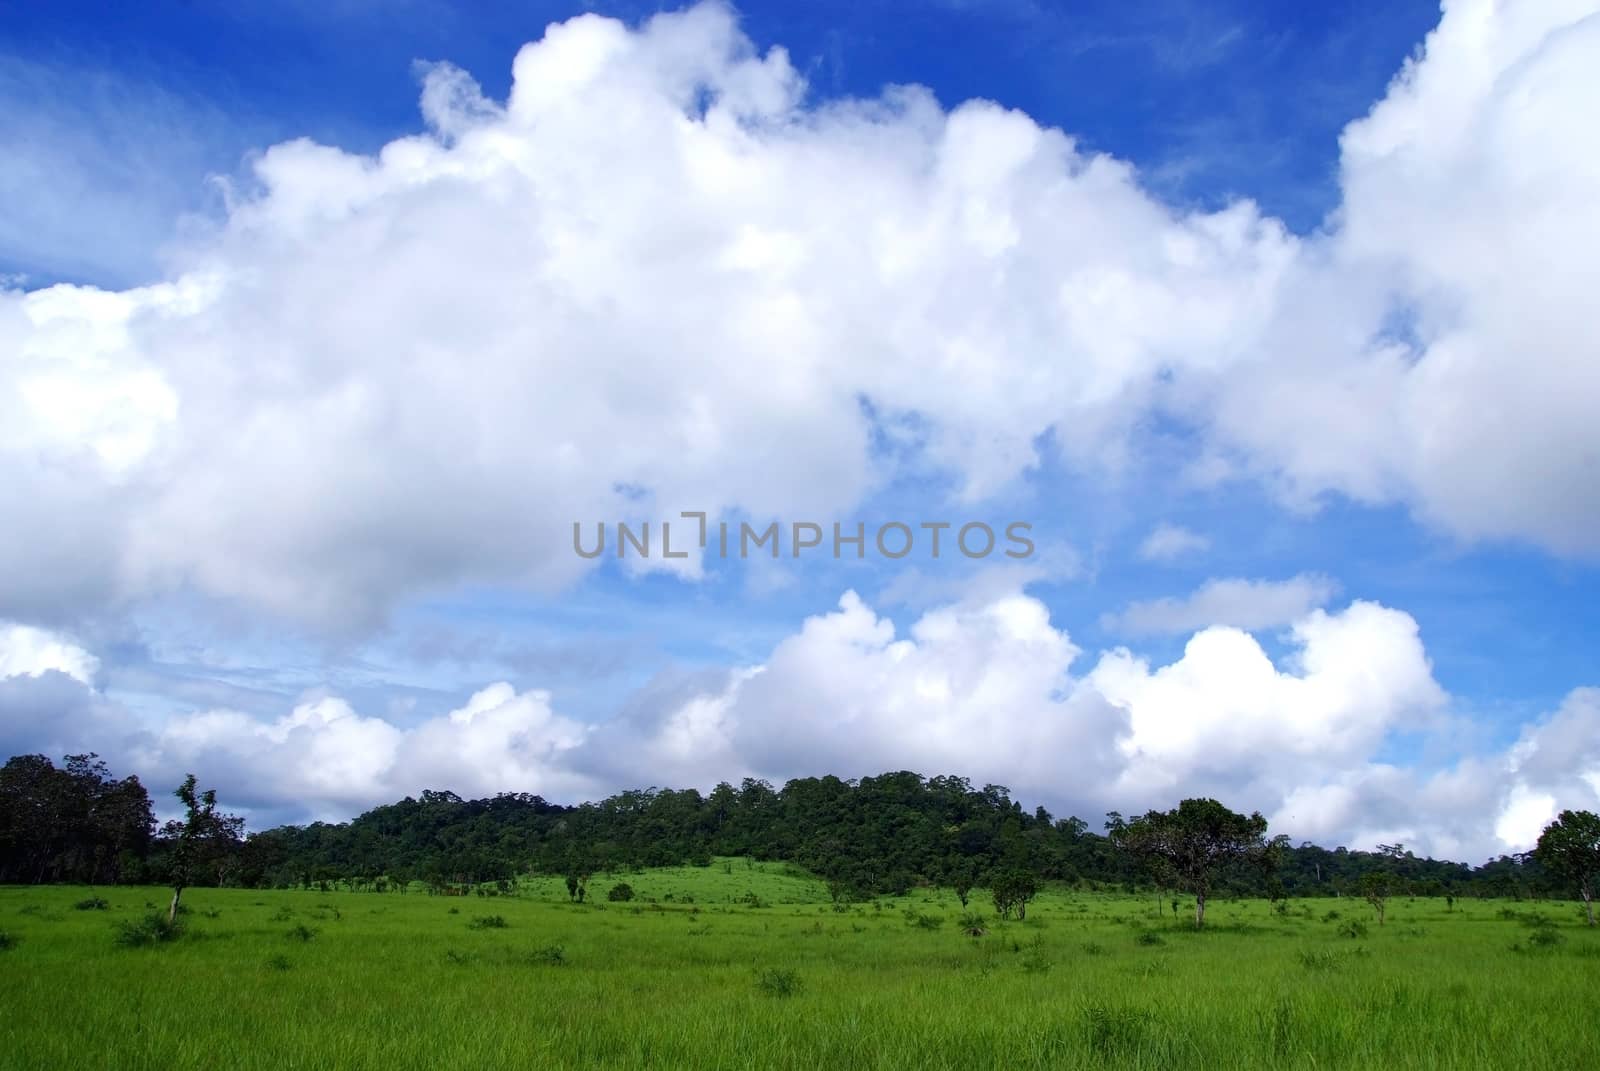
281,980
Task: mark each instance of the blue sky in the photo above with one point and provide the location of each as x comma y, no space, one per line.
334,460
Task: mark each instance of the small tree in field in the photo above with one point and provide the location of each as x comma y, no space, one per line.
1377,886
203,840
1012,890
1570,847
1190,845
962,878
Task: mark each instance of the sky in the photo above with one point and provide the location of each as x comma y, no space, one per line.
330,334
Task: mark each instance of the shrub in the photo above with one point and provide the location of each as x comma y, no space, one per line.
301,932
7,941
549,955
283,914
751,899
778,982
487,922
1545,938
924,922
1353,929
1149,939
93,903
1332,916
621,892
279,963
152,929
1092,948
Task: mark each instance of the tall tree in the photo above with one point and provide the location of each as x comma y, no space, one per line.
1192,844
1570,847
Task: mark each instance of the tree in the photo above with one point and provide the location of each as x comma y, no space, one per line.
1012,889
1377,886
1570,847
205,839
1190,845
963,876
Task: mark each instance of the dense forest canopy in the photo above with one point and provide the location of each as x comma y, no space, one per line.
885,834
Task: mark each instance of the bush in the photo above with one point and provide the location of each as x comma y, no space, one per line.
549,955
94,903
279,963
152,929
620,893
1545,938
487,922
1332,916
301,932
7,941
778,982
1149,939
1353,929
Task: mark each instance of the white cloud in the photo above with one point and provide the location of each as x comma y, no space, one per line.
1167,542
31,652
1245,604
633,288
991,690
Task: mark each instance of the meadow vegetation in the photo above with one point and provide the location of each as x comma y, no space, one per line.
748,964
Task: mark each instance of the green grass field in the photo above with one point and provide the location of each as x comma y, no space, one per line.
690,976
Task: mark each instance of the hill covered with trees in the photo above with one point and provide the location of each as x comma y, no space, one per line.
885,834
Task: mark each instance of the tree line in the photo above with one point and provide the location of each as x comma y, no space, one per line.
867,836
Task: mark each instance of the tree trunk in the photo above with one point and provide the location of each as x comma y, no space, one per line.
1199,910
1588,903
172,912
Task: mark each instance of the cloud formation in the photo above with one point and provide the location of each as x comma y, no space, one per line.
989,690
1245,604
634,287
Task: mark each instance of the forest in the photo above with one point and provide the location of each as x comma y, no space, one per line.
79,823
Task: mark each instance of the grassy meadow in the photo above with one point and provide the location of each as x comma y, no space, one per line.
744,965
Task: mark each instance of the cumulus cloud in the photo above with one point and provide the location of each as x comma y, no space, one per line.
634,287
992,690
1245,604
33,652
1167,542
326,759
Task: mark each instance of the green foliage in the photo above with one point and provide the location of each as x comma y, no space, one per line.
301,933
487,922
1353,929
778,981
1376,887
1189,846
1149,939
548,955
7,941
151,928
1012,889
93,903
1570,847
621,892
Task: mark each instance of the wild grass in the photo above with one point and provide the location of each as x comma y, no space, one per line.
750,966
